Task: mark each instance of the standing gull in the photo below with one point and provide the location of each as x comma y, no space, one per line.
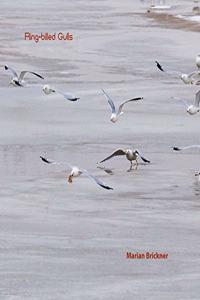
191,78
192,109
131,155
75,172
19,80
117,113
47,89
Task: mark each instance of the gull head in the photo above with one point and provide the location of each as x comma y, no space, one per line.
192,110
185,78
14,81
113,118
46,89
75,172
136,153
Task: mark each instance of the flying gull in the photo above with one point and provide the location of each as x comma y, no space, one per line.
117,113
191,78
47,89
75,172
192,109
131,155
19,80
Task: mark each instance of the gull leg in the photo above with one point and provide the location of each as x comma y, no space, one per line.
131,166
136,164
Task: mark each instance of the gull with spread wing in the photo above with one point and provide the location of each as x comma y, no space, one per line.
19,80
192,109
131,155
117,113
47,89
76,171
191,78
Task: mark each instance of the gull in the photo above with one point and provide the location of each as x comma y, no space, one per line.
19,80
191,78
76,171
192,109
47,89
185,148
131,155
198,61
117,113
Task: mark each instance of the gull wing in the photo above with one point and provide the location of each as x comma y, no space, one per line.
169,72
195,73
115,153
185,148
197,98
67,96
11,70
22,74
110,101
183,101
122,104
142,157
53,162
98,181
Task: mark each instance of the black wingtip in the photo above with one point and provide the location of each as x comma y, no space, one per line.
75,99
145,160
137,98
159,66
106,187
45,160
38,75
6,68
176,149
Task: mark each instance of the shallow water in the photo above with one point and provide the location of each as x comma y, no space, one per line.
62,241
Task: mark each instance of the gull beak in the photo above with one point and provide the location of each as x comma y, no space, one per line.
70,178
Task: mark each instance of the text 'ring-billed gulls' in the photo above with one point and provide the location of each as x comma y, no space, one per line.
47,89
192,109
131,155
75,172
117,113
19,80
191,78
